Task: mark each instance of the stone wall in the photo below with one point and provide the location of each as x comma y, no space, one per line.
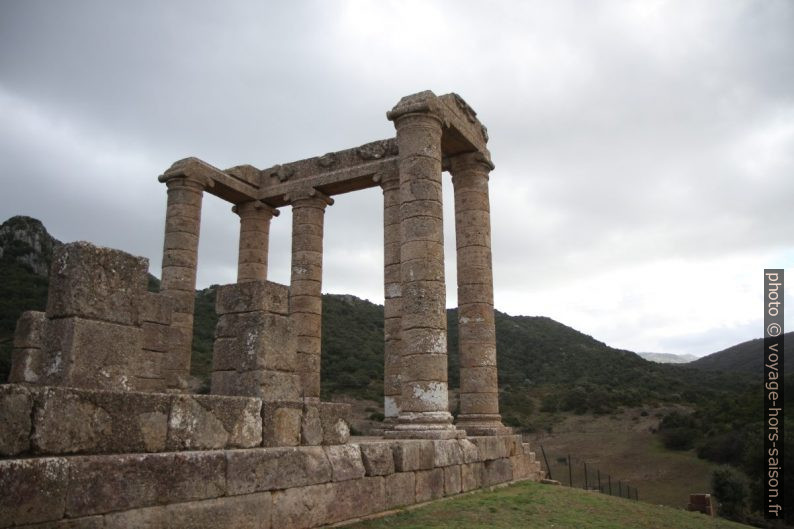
283,487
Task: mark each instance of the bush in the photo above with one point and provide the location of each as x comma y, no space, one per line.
730,488
682,438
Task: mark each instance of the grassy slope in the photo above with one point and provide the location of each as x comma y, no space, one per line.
532,505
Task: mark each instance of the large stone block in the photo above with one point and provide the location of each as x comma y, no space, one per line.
102,484
90,354
88,281
270,386
469,451
281,423
26,365
68,420
429,484
452,480
345,461
335,419
201,422
33,490
264,469
356,498
378,458
471,476
156,308
269,344
447,452
497,471
251,296
30,329
251,511
412,455
311,426
491,447
302,507
16,410
400,489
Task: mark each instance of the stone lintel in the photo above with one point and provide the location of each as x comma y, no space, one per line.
231,187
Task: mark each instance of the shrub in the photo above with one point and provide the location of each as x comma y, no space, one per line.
730,488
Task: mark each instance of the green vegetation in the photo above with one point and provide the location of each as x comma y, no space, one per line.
536,506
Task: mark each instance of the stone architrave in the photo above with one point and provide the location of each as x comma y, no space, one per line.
424,402
479,389
180,256
255,219
305,297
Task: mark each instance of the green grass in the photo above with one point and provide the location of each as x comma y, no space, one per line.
532,505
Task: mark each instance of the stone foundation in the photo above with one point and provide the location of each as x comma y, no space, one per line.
278,487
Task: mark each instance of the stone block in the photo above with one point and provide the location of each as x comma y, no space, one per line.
514,446
429,484
497,471
490,447
522,468
252,296
29,330
251,511
302,507
34,490
90,354
356,498
311,426
26,365
88,281
203,422
281,423
400,489
469,451
471,476
345,461
478,379
99,421
16,410
158,337
452,480
378,458
412,455
269,344
156,308
263,469
102,484
424,366
335,419
271,386
447,452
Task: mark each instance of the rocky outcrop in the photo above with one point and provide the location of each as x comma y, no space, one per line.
25,240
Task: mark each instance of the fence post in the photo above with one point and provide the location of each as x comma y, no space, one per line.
620,488
598,473
548,468
586,484
609,477
570,472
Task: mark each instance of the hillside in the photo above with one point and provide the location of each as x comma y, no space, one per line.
746,357
536,506
668,358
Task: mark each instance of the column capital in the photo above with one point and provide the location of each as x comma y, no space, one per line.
255,208
470,160
311,197
426,103
188,172
387,180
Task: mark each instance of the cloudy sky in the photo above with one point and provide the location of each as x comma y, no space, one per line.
644,150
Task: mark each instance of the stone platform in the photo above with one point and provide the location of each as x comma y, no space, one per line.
279,487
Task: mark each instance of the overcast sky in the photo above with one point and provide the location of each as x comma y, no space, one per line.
644,150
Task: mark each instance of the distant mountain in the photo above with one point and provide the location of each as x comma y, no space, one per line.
668,358
746,357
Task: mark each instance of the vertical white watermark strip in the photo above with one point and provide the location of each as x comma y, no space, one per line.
773,392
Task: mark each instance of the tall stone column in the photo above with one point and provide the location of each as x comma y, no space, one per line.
424,404
180,255
305,298
479,388
254,239
392,303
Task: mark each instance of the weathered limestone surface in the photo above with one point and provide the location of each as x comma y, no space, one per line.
254,239
26,362
16,409
392,302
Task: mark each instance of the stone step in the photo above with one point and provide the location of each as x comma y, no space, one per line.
45,420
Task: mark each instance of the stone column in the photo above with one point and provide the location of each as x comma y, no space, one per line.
305,294
479,389
392,303
424,404
254,239
180,255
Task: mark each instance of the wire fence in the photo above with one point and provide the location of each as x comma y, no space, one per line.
575,472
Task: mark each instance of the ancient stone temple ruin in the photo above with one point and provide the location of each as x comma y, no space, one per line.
98,428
